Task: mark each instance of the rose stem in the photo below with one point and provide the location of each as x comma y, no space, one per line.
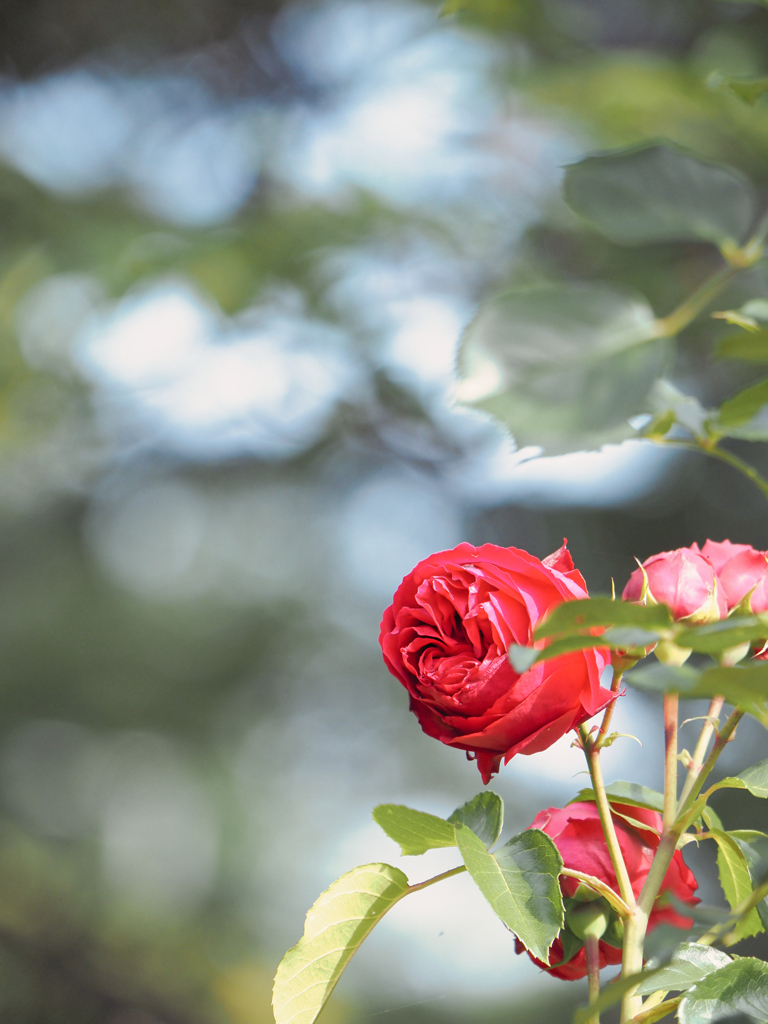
592,950
436,878
634,935
615,684
715,707
725,735
671,701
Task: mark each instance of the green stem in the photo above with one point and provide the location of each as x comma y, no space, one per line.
700,750
437,878
592,950
592,755
615,684
687,311
724,736
704,447
634,932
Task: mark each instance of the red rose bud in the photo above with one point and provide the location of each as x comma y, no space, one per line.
742,574
686,582
578,835
446,636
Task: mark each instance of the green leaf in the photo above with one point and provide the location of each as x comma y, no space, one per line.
750,346
335,927
523,658
712,818
414,831
520,881
740,987
484,814
660,194
747,835
690,963
562,367
746,414
660,678
744,686
755,779
587,613
630,793
736,881
748,89
720,636
673,406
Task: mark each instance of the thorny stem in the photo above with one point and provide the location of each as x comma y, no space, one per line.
592,950
671,701
600,740
700,750
592,755
724,736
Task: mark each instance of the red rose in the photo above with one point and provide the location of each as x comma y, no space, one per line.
741,571
578,835
684,580
446,636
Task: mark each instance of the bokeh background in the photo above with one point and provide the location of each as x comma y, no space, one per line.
239,242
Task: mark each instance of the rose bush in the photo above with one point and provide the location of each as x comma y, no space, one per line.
578,835
446,636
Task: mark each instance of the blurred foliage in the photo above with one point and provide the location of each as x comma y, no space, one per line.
197,668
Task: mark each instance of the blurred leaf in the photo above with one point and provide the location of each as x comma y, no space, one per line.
743,686
740,987
414,831
562,367
690,963
736,882
721,636
660,194
746,414
748,89
751,346
590,612
520,881
484,814
673,406
335,927
630,793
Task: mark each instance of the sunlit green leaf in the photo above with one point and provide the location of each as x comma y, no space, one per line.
751,346
520,881
630,793
754,779
746,414
660,194
590,612
484,814
736,881
690,963
740,987
562,367
721,636
335,927
414,831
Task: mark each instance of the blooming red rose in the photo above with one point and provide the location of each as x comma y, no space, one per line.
684,580
578,835
446,636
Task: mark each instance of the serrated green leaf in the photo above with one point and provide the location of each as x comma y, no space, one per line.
721,636
630,793
736,881
690,963
590,612
660,194
740,987
750,346
746,414
520,881
484,814
562,367
712,818
335,927
746,835
755,779
414,831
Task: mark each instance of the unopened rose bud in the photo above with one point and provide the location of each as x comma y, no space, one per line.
590,920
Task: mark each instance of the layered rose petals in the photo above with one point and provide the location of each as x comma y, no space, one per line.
446,637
